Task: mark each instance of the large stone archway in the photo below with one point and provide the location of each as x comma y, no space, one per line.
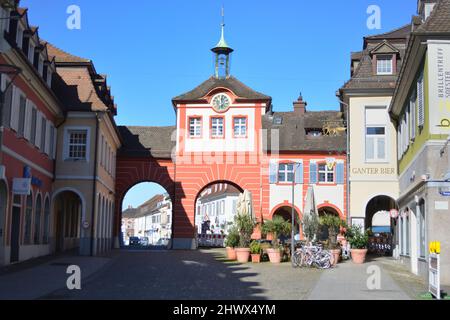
183,182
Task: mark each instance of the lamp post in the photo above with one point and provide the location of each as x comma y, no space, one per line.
294,170
12,72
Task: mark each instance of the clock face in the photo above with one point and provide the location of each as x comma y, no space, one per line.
221,102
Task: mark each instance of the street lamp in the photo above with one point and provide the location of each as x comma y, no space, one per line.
12,72
294,168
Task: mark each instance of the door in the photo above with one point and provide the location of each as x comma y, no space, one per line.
15,234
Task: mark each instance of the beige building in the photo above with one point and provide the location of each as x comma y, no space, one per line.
372,142
87,144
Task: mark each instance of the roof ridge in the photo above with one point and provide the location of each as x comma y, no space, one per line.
65,53
388,32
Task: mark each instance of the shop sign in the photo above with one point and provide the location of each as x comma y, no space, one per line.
444,191
434,283
439,85
21,186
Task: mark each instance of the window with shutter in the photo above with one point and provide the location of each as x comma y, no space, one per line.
38,130
8,100
22,114
15,109
299,173
273,171
340,172
55,141
47,138
412,103
420,102
313,173
33,125
43,133
28,112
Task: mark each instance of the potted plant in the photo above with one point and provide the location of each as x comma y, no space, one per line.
245,226
277,226
358,241
231,241
255,250
333,223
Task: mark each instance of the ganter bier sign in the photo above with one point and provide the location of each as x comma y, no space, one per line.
439,86
373,171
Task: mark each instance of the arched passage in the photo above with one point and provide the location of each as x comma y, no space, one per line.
285,211
326,209
215,209
146,218
68,207
377,212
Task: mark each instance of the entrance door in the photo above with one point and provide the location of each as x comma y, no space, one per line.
15,234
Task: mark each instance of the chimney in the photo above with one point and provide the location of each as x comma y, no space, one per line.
300,105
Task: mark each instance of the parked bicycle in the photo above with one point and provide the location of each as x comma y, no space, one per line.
312,256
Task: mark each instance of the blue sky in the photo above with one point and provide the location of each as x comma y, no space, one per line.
155,50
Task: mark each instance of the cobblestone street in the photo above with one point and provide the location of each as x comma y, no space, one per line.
204,275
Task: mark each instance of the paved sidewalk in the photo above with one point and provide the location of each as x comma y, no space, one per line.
35,281
348,281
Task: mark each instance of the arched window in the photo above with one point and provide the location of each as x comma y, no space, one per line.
28,217
46,221
37,220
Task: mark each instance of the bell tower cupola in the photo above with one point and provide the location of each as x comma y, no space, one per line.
222,52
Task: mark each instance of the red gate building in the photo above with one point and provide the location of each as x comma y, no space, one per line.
228,132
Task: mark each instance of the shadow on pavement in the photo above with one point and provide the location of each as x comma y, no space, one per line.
168,275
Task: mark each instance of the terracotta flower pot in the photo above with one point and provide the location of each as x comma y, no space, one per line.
231,253
242,254
336,255
358,255
274,255
256,258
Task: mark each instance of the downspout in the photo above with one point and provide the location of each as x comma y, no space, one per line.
94,185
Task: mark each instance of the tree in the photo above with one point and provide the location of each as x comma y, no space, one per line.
277,226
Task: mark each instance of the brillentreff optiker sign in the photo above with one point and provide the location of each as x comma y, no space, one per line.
439,86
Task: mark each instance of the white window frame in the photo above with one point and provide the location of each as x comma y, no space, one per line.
217,127
195,127
325,171
383,69
240,123
285,171
67,131
376,138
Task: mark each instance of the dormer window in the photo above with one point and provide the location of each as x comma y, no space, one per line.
428,8
31,52
384,64
19,36
41,66
49,77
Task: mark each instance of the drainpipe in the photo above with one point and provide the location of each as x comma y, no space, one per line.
94,185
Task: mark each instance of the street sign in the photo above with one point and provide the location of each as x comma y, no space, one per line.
22,186
434,283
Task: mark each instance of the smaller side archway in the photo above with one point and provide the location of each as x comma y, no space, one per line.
284,210
69,209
